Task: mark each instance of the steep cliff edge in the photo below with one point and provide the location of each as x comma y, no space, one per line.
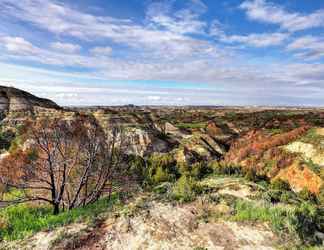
12,100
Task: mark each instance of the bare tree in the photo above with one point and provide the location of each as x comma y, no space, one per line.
67,163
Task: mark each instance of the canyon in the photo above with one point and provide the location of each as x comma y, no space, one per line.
268,143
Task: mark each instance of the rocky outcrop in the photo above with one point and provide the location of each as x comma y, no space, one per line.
12,100
141,142
256,143
308,151
300,177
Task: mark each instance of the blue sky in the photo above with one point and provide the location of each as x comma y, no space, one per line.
176,52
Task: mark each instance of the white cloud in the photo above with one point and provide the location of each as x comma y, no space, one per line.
194,70
261,40
183,21
65,95
154,51
117,69
159,48
150,37
217,30
267,12
61,19
18,45
66,47
19,48
257,40
309,47
154,98
253,84
101,51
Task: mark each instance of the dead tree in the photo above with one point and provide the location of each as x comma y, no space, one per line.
66,163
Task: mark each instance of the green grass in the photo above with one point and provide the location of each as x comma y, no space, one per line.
300,222
274,131
248,211
313,166
190,125
23,220
312,137
13,194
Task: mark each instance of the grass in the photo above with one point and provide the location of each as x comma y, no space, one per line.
13,194
191,125
23,220
313,166
248,211
312,137
274,131
300,222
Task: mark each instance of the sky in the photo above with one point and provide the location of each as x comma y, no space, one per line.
165,52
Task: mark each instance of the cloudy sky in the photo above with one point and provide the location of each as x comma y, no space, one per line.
177,52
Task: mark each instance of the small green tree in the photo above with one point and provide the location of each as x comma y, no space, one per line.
184,189
161,168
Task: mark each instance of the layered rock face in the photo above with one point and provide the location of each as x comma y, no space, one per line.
12,100
4,101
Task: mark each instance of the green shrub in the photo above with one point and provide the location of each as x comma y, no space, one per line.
137,168
320,195
32,155
269,165
5,138
279,184
15,144
251,175
200,170
185,189
184,168
162,175
162,188
231,115
280,191
313,166
161,168
305,221
272,196
220,168
288,197
306,195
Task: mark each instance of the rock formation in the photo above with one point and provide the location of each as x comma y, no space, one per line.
12,100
